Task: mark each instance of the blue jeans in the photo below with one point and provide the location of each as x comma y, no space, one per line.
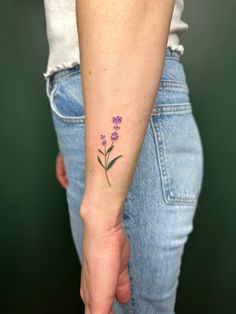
162,199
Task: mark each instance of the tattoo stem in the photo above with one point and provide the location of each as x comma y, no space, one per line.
107,178
106,160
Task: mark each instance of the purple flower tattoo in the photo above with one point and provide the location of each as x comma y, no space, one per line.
114,136
105,153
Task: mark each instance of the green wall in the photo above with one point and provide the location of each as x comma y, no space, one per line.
39,270
207,283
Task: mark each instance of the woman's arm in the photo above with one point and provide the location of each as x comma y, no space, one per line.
122,48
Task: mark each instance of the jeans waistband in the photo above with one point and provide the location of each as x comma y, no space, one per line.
170,54
61,73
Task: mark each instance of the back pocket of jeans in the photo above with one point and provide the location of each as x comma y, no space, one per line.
180,159
66,99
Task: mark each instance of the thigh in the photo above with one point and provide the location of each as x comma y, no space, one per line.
158,228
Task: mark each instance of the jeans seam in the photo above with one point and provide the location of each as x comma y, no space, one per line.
159,109
174,84
160,161
75,120
172,58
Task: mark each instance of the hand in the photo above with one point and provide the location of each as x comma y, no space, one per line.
104,274
61,171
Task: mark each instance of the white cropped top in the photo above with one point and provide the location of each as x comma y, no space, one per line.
63,39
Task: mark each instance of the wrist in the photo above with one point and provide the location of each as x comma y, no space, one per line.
102,210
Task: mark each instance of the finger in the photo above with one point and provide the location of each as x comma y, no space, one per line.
61,171
62,180
82,293
87,310
123,291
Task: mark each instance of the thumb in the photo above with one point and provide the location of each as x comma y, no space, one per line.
123,291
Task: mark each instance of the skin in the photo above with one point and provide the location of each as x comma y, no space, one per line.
123,286
61,171
122,49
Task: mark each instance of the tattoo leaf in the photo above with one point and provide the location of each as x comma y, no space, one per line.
111,163
109,149
99,160
101,152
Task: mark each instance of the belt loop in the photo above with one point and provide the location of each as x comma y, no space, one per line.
48,86
173,54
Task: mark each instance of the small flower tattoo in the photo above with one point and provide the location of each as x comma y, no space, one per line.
106,164
114,136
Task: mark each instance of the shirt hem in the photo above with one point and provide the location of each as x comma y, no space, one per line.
65,65
59,67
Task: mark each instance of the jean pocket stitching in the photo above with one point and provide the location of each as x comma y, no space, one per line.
66,119
168,194
171,109
176,58
179,85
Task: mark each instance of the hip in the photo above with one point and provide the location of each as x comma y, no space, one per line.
172,142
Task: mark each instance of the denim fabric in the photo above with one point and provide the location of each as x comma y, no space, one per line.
161,203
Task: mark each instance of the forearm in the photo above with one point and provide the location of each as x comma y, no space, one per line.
122,46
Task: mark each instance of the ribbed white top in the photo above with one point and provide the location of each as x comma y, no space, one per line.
63,39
